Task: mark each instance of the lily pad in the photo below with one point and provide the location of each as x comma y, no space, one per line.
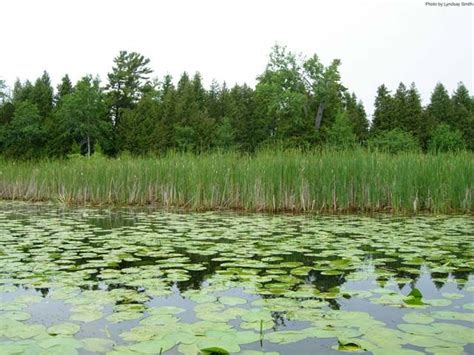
420,318
64,329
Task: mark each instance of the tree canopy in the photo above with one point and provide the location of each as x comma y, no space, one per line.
298,101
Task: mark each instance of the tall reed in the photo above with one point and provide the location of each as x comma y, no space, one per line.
317,181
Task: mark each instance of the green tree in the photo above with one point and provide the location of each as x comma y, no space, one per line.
357,116
329,91
440,108
138,125
249,130
6,107
281,96
127,83
413,113
24,137
64,88
400,114
42,95
185,138
446,139
22,92
225,134
83,113
217,101
7,111
193,128
3,92
163,131
394,141
383,113
463,114
341,134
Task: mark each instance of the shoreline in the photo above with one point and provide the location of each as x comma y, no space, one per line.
237,211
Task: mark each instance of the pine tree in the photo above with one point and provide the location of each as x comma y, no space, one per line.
413,113
7,110
6,107
163,132
463,114
199,92
186,105
400,112
3,92
357,116
194,129
212,101
24,136
42,95
440,108
128,81
22,92
249,129
64,88
383,113
138,125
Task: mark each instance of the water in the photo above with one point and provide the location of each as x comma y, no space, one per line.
123,281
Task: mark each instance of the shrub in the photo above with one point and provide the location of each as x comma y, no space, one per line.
394,141
445,139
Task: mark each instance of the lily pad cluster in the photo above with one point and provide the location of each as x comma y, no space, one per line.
153,282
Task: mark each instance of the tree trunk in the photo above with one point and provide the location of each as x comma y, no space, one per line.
319,116
88,147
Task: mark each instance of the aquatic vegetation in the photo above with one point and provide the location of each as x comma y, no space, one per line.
122,282
316,181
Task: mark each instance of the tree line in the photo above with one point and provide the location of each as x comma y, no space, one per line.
297,102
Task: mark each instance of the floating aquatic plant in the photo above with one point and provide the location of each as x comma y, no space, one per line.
151,282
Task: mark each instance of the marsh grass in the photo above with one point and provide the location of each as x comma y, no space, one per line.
318,181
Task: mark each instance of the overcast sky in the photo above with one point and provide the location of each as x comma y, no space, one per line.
378,41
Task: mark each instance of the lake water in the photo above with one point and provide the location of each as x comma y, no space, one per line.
137,281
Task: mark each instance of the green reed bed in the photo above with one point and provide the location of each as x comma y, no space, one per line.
316,181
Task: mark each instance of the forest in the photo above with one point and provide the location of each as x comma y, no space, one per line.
297,102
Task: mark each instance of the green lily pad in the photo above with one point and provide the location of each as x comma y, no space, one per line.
153,346
64,329
418,329
469,306
232,301
420,318
118,317
60,341
97,345
453,296
87,316
285,336
449,315
171,310
439,302
17,315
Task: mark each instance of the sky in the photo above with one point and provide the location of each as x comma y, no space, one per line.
378,41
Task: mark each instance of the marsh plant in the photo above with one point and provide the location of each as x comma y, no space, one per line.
271,180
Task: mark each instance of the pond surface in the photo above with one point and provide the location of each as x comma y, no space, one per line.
125,282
